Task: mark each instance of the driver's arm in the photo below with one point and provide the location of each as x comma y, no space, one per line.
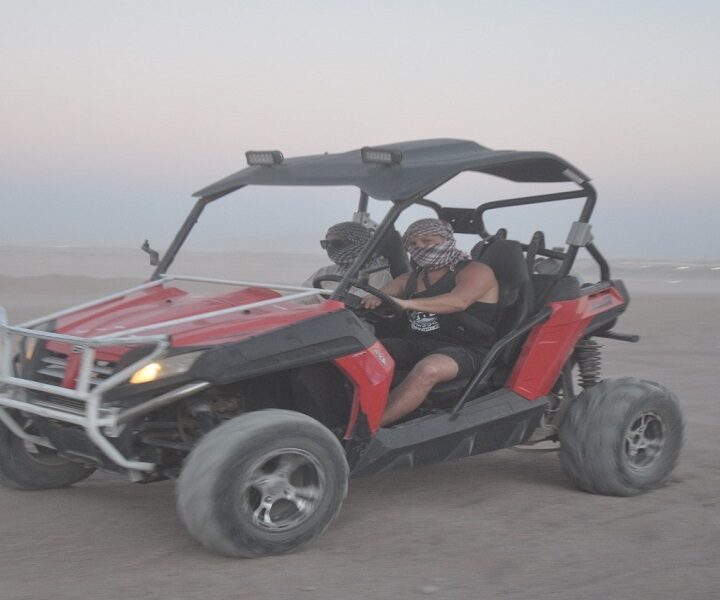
394,288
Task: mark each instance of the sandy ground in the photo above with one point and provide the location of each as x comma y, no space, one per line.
502,525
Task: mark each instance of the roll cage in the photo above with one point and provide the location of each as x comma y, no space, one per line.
422,167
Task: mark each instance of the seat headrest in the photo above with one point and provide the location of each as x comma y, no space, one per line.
506,259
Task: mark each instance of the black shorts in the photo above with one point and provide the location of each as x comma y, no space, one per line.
408,352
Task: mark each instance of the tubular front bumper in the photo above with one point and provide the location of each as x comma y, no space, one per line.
87,409
84,404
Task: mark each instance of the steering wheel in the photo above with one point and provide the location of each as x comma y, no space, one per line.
353,302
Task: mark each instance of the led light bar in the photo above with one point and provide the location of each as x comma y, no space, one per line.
264,158
381,156
573,176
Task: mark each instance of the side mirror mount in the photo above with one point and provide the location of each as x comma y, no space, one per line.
154,256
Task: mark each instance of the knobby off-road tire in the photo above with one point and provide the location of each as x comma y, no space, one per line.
25,467
264,483
621,437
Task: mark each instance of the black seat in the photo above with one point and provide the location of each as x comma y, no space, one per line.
515,300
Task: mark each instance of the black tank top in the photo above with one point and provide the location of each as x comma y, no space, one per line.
473,327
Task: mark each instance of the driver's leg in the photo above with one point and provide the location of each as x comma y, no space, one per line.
410,394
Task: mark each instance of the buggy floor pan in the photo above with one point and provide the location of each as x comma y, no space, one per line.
499,420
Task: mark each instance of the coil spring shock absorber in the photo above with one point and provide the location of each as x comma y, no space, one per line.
589,362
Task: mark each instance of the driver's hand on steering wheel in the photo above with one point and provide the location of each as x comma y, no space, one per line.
371,302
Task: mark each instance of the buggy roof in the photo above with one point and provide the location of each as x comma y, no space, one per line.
426,164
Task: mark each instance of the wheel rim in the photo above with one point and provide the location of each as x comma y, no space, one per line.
644,440
283,489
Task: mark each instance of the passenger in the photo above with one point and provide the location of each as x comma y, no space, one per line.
343,243
445,290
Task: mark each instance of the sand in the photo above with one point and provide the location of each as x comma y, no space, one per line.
502,525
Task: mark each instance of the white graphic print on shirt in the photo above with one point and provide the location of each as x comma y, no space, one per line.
423,321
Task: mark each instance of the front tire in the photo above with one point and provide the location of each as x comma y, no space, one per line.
264,483
24,466
621,437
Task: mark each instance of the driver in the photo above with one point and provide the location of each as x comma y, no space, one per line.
343,243
443,293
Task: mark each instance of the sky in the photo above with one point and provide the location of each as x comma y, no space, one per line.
113,113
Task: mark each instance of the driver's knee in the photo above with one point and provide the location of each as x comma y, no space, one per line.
434,369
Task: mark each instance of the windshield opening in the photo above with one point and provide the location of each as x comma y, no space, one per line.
268,234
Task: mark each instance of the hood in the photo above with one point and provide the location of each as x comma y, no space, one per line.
159,304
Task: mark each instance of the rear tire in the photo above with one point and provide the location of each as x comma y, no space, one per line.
621,437
264,483
24,466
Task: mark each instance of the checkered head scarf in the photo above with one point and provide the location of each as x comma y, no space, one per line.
440,255
356,234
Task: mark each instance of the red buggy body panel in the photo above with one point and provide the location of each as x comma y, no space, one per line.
371,372
550,344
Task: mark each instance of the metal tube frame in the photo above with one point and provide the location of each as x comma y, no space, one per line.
525,200
180,237
485,370
586,191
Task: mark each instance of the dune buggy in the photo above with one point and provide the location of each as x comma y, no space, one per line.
262,405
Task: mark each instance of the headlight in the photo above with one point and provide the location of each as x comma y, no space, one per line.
174,365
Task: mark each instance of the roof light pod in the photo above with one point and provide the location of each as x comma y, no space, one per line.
573,176
381,156
264,158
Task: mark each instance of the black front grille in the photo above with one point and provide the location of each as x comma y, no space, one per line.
53,366
70,405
